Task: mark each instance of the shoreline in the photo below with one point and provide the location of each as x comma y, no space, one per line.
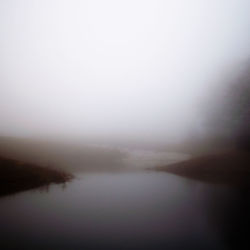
230,168
17,176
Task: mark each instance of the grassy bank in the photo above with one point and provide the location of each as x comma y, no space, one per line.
18,176
230,168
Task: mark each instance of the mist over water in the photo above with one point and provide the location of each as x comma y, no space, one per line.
132,117
115,69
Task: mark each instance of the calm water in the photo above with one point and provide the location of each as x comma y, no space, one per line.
134,210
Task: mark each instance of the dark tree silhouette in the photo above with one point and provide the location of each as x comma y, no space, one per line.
229,110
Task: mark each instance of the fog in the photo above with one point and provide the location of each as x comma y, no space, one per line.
117,69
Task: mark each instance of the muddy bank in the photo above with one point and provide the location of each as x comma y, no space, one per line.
229,168
16,176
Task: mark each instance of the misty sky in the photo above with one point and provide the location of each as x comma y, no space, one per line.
132,67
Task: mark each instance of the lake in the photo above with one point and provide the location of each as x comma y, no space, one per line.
139,209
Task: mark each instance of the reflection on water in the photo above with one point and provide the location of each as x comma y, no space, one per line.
230,213
140,210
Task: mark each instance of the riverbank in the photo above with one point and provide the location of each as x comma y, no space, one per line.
229,168
16,176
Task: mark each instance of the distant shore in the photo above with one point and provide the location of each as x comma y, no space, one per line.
16,176
229,168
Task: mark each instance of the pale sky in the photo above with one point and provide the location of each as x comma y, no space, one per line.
129,68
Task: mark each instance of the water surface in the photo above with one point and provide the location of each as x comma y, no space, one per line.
129,210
